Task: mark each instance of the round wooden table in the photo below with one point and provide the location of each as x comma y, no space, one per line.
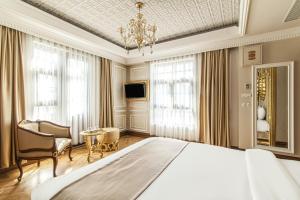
91,145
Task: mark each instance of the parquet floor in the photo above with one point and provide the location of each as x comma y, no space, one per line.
10,189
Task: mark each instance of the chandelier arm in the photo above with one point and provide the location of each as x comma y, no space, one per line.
138,32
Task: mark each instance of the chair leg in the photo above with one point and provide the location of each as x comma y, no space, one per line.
54,166
70,151
38,163
19,164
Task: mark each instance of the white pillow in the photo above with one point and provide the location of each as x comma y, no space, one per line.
261,112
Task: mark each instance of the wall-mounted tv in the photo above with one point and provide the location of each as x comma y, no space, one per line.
137,90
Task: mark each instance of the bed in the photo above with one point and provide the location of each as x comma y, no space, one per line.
161,168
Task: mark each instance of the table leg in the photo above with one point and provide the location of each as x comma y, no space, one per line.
92,146
99,146
89,144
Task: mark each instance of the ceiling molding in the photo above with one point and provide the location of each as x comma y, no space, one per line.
175,19
244,13
23,17
28,19
239,41
183,45
71,22
191,34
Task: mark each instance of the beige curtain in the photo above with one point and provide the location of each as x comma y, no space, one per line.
106,98
214,99
12,105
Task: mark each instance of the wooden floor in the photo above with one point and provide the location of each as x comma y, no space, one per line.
33,175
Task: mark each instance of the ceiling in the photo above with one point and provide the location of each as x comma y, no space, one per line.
261,19
174,18
185,26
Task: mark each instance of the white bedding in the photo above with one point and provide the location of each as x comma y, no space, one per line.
268,178
199,172
203,172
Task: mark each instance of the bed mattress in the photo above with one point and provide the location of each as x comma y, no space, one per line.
200,171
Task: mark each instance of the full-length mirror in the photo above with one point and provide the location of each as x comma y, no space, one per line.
273,107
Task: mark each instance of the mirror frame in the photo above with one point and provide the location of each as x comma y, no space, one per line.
290,65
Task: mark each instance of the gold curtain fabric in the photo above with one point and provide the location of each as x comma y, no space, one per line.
214,98
12,100
106,97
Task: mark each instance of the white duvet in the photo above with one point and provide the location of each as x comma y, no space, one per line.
201,172
268,178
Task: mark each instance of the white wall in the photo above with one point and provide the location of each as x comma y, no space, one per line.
138,111
129,115
119,78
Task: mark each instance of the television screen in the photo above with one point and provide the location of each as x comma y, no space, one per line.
135,90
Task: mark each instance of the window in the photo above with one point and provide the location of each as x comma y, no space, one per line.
173,98
59,83
44,70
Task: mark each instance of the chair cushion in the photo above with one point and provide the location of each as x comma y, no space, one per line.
33,126
62,143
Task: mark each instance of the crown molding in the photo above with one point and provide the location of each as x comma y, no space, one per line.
244,13
183,46
28,19
210,45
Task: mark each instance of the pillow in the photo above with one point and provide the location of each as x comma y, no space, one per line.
261,112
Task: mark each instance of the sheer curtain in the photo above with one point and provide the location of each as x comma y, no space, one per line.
173,99
62,85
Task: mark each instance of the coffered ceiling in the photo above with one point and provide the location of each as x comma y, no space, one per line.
185,26
174,18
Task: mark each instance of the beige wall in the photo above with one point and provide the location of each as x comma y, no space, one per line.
245,104
234,97
240,102
287,50
273,52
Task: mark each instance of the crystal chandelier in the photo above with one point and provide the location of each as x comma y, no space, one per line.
139,32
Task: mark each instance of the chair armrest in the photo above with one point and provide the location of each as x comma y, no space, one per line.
29,141
57,130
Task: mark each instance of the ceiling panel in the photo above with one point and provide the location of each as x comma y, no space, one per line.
174,18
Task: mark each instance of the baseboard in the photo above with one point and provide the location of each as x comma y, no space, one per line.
237,148
136,133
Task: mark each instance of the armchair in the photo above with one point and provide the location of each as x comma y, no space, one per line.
37,140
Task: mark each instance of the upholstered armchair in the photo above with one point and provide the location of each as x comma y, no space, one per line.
37,140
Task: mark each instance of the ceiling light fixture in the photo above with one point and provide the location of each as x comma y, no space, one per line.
138,32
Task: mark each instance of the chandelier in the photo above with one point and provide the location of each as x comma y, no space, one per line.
138,32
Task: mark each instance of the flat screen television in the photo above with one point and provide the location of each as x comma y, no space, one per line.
137,90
